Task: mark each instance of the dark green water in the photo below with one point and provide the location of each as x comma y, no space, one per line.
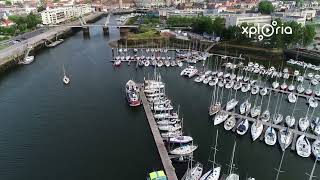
87,131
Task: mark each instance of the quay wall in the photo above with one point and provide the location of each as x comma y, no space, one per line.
10,56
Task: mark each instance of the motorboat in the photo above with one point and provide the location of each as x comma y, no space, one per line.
255,111
285,138
316,149
184,150
304,123
277,118
245,107
132,93
27,60
214,108
256,130
171,134
270,136
167,122
231,104
292,98
220,117
200,78
265,116
169,127
290,120
243,127
303,146
213,82
181,139
229,123
206,80
117,62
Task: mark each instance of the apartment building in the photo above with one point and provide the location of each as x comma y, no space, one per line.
61,14
255,19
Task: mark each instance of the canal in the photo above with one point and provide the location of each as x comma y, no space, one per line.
87,131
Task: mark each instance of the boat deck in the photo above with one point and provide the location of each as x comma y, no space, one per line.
166,162
295,131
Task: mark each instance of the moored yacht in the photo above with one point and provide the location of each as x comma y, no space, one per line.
303,146
243,127
270,136
229,123
285,138
132,93
256,130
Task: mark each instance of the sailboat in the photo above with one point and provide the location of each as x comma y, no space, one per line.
270,136
316,149
304,123
231,104
65,79
243,127
220,117
215,105
285,138
292,98
184,149
245,107
303,146
214,173
229,123
232,176
256,130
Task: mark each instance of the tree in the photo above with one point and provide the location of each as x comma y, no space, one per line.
265,7
308,34
8,3
40,8
218,25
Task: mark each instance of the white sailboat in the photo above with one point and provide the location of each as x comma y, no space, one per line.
255,111
214,173
316,149
231,104
292,98
229,123
270,136
220,117
184,150
243,127
303,146
256,130
285,138
232,176
304,123
245,107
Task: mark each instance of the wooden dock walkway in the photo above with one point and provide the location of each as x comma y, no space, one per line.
295,131
166,162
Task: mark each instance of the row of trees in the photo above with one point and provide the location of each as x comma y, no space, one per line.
302,35
22,24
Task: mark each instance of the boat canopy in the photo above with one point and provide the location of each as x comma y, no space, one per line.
158,175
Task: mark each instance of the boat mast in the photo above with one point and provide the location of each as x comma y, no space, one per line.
311,176
232,157
279,168
215,150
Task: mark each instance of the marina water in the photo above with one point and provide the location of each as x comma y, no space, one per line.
86,130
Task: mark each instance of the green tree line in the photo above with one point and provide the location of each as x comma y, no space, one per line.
22,24
302,35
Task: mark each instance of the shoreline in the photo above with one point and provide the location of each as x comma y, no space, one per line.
10,56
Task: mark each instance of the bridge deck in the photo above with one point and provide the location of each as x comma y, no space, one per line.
166,162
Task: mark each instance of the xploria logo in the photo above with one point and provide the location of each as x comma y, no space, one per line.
266,30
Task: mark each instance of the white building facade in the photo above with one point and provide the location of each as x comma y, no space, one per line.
238,19
61,14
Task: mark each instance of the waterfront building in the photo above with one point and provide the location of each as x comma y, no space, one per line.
255,19
61,14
